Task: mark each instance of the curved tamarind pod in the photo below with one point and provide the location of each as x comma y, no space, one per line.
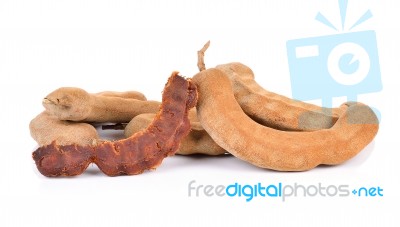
76,104
196,142
46,128
222,117
126,95
274,110
142,151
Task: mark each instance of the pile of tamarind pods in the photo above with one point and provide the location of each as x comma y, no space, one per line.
233,115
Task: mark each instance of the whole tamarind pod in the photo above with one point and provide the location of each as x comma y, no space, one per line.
224,120
75,104
142,151
196,142
46,128
126,95
274,110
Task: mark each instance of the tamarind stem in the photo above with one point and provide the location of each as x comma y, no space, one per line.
75,104
200,57
224,120
142,151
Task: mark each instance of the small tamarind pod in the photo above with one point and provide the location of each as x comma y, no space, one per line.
196,142
126,95
46,128
142,151
75,104
224,120
274,110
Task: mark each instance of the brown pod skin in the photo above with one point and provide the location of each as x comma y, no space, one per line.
75,104
46,128
224,120
125,95
142,151
196,142
274,110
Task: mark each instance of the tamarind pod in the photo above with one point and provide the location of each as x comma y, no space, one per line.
126,95
196,142
45,129
274,110
224,120
75,104
142,151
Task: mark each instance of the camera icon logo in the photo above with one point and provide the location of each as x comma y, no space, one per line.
332,66
336,65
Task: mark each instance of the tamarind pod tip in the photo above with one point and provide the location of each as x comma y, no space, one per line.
46,101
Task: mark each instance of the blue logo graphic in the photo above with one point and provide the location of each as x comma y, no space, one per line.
337,65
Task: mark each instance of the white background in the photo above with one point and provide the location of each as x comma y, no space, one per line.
135,45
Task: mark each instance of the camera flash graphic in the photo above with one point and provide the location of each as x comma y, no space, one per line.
343,12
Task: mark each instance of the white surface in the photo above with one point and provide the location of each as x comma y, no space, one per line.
135,45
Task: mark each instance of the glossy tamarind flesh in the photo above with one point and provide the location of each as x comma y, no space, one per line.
196,142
